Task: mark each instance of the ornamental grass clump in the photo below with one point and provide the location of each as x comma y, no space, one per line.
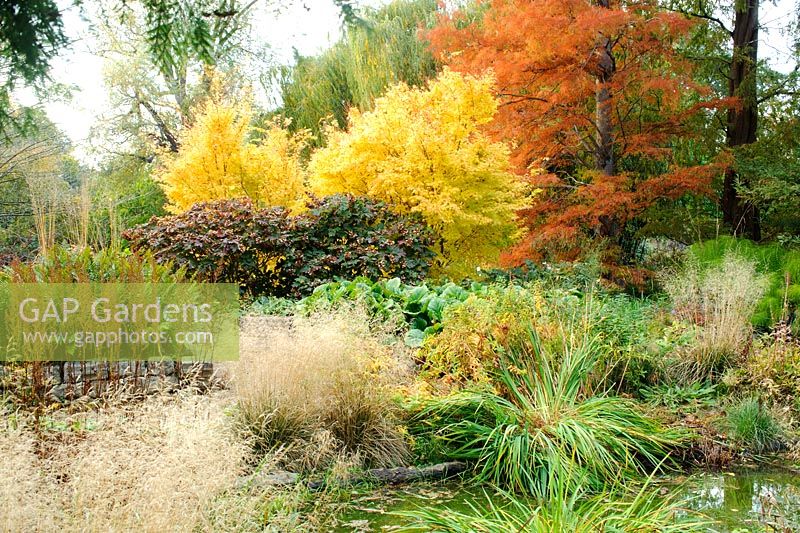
753,425
539,423
720,300
320,391
150,467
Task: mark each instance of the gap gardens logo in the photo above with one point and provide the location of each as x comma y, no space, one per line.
118,321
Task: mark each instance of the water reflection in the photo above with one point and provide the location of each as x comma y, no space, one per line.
747,499
739,502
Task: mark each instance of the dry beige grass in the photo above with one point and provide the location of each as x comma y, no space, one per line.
176,462
153,466
28,499
321,389
720,301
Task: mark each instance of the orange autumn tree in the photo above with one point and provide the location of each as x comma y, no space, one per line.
594,94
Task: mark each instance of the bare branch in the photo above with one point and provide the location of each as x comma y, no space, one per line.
704,16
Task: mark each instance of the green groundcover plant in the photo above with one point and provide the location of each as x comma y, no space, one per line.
421,306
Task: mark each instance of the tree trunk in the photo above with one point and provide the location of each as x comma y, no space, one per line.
604,141
742,216
606,67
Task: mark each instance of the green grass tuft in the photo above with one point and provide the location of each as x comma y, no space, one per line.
752,425
540,424
616,509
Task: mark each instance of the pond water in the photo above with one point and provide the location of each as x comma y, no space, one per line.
744,501
376,510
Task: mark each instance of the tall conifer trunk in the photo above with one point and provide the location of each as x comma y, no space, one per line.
606,67
604,142
742,216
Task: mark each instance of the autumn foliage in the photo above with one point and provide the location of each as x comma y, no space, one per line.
593,94
423,151
222,155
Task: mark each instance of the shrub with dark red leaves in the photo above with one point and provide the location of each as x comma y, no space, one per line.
270,252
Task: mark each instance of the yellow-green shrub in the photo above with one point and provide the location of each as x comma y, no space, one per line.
473,332
773,370
422,151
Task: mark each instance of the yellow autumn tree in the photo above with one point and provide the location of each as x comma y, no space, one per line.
223,156
423,151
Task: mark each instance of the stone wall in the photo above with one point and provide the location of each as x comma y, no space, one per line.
65,381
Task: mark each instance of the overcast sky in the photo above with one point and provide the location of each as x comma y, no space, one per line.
309,26
309,30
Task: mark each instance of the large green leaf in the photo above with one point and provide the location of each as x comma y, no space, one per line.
435,308
416,294
414,338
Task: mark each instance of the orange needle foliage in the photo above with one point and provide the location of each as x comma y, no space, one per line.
593,95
